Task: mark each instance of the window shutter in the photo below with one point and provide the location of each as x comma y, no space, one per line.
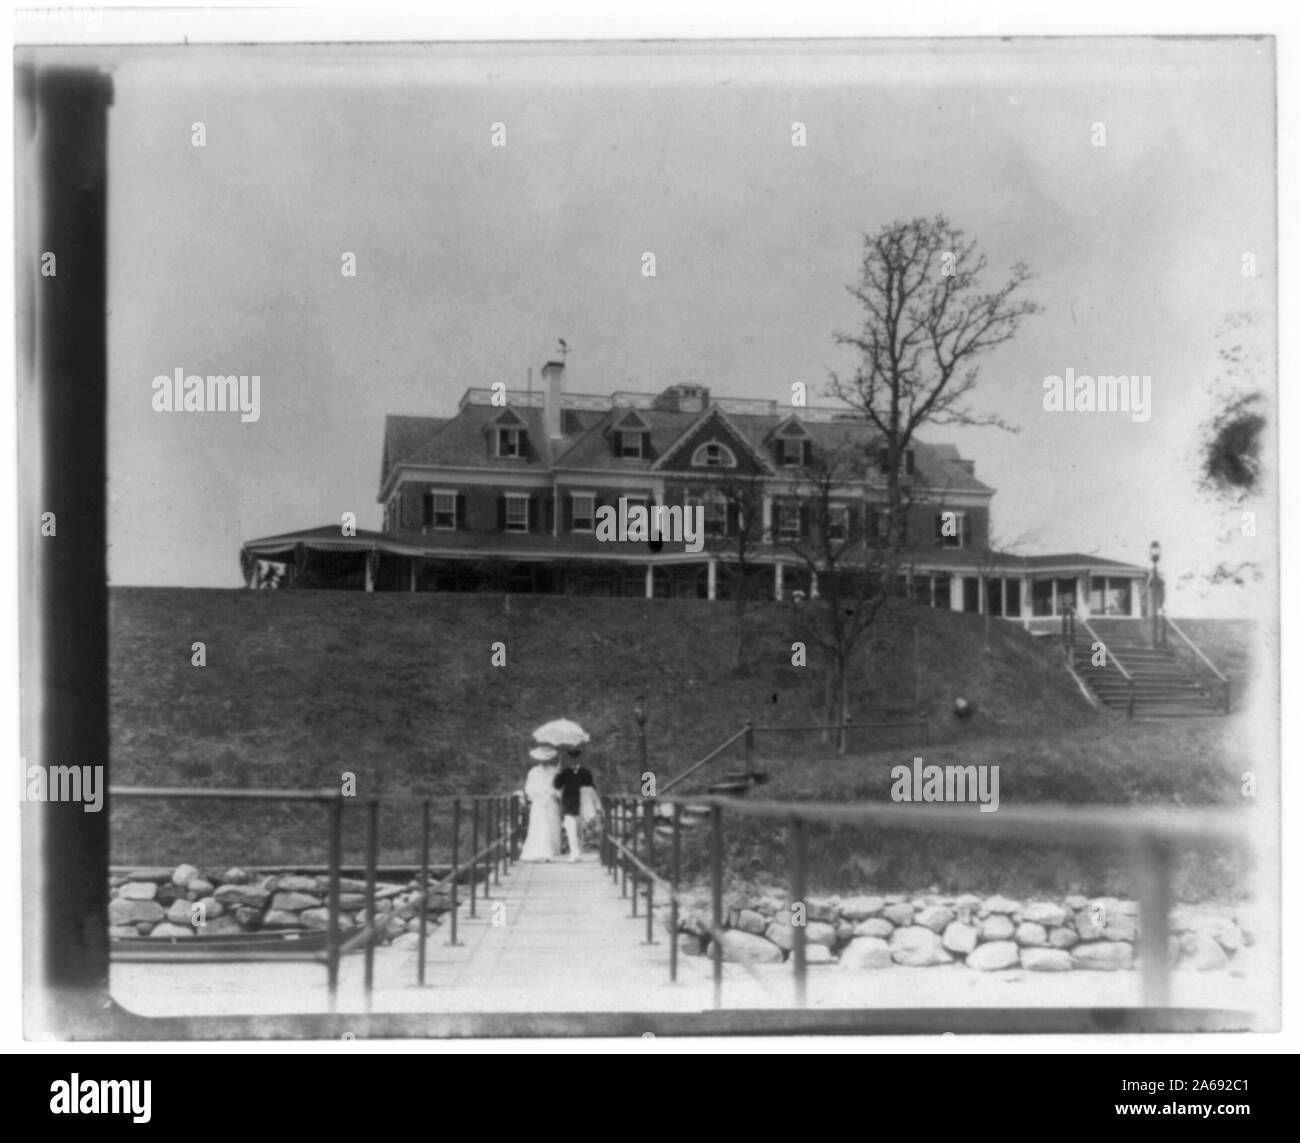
909,462
805,454
733,518
883,458
460,509
938,528
501,513
618,444
776,520
427,517
803,520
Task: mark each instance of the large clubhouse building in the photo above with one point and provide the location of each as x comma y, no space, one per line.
507,494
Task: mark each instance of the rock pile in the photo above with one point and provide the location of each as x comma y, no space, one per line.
986,934
185,901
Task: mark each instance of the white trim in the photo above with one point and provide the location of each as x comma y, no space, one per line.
527,522
435,493
726,451
573,512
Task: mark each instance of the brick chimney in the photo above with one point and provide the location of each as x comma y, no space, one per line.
553,376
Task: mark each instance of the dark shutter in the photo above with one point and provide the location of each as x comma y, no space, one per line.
618,444
460,510
883,458
909,462
501,513
938,529
427,517
803,520
805,454
733,518
776,520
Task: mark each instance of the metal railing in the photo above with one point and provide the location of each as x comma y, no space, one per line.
1149,837
1114,658
497,814
1218,674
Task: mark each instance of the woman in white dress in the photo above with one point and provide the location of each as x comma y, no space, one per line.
543,840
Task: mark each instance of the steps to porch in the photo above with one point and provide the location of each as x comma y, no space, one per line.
1154,679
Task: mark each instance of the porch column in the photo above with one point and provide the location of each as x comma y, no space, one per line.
1056,610
1081,586
767,525
413,564
956,593
1134,599
713,579
371,559
649,581
778,581
812,586
1026,600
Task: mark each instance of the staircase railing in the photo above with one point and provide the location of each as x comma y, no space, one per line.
746,732
1114,658
1218,674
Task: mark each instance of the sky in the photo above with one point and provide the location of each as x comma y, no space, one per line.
472,260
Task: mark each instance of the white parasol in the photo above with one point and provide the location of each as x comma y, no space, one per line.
561,732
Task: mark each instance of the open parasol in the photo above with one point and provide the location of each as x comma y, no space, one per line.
561,732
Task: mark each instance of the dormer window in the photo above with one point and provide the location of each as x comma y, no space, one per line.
629,444
510,442
713,455
793,452
909,460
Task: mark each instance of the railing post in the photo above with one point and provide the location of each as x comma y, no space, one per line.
424,882
335,896
498,838
675,873
647,808
798,857
715,862
622,837
455,867
372,877
473,862
487,849
635,873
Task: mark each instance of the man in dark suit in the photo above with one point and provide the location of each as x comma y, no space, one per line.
570,782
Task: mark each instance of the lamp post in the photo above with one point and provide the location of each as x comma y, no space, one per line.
640,716
1156,595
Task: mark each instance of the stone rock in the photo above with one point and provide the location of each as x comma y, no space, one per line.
822,909
122,931
749,921
351,900
169,892
1030,933
246,895
407,941
746,948
179,913
894,898
818,954
900,913
1062,938
1219,929
820,933
1130,908
315,918
968,901
211,907
959,937
156,873
999,904
1046,960
297,883
295,902
392,925
867,952
1045,913
280,919
936,918
860,908
138,891
167,929
994,955
843,931
234,876
268,881
1074,903
198,888
126,911
1202,952
916,945
1108,956
183,874
248,916
997,928
781,934
144,928
688,944
220,926
873,927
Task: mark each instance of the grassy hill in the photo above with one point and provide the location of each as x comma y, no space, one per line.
301,687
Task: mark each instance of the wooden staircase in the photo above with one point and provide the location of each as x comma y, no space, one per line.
1154,679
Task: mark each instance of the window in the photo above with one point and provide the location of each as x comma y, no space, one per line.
790,524
950,529
715,517
837,522
444,510
510,442
909,462
516,512
630,445
713,455
793,453
584,511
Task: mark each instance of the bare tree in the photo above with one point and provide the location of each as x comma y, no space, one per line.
926,322
742,497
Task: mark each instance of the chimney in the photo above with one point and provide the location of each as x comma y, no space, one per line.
553,377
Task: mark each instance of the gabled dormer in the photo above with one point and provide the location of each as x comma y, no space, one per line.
884,460
507,435
629,436
791,444
712,443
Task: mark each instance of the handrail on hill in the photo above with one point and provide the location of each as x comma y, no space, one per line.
1114,658
1150,837
500,819
1218,674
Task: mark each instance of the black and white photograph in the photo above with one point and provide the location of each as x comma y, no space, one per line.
641,538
